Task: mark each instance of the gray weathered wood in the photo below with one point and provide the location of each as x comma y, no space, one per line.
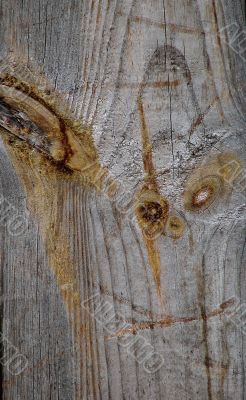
106,60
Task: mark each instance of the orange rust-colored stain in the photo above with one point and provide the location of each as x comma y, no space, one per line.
147,148
41,181
151,208
66,142
155,262
68,158
151,211
199,120
171,320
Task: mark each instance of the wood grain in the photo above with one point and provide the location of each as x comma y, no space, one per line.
78,295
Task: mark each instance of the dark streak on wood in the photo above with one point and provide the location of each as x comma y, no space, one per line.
171,320
161,25
147,148
202,299
91,57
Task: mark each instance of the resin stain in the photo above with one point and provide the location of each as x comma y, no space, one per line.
151,208
28,115
30,119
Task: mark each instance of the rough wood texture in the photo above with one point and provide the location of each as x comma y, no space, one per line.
163,96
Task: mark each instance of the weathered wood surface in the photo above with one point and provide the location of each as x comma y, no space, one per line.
138,71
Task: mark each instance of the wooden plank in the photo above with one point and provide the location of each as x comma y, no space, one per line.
98,308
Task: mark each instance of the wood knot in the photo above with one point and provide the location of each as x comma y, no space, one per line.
212,181
152,212
175,226
202,193
28,116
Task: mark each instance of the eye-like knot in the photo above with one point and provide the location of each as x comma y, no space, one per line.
203,192
152,211
212,181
